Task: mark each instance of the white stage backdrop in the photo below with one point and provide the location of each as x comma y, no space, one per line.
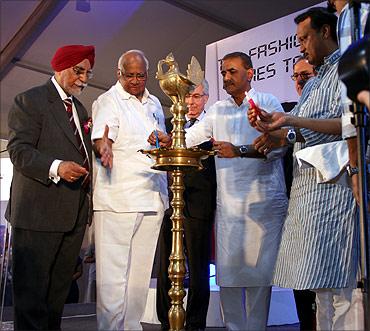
273,48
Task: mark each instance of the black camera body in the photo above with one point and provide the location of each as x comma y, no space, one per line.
353,68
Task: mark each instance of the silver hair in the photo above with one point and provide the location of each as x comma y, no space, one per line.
121,60
205,86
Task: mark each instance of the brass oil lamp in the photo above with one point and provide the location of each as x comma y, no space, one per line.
177,160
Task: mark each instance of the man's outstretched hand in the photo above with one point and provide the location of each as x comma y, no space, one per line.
264,121
103,149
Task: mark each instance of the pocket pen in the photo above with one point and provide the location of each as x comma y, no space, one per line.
156,118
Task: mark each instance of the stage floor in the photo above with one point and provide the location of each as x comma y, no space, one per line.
82,316
282,307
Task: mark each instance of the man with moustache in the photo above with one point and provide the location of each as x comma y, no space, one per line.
50,198
318,249
200,204
251,197
129,196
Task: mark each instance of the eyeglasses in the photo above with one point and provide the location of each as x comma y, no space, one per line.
81,71
194,96
140,76
304,75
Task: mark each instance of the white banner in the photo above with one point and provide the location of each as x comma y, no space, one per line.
6,174
273,48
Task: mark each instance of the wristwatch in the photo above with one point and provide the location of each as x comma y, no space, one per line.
351,170
243,149
291,136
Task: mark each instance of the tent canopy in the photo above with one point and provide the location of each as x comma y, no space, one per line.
31,31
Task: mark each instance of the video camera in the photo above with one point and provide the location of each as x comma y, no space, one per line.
353,68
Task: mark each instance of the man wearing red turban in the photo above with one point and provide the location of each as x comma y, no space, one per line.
50,193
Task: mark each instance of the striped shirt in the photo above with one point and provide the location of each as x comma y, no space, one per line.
317,247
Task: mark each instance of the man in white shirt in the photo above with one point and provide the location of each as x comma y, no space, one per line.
251,197
129,197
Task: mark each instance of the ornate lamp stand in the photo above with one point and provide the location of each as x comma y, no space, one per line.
178,159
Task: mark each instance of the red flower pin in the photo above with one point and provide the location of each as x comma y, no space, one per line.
87,125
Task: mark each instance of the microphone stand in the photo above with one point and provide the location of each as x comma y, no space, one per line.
360,122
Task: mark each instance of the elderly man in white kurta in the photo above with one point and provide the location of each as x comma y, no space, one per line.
129,197
251,198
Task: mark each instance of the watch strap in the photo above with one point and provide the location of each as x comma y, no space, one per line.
352,170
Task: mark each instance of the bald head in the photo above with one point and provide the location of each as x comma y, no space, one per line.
132,54
133,72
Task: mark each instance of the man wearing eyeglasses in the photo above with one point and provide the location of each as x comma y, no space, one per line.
129,196
302,72
309,248
200,204
50,196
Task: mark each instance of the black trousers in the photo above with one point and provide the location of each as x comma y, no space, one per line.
197,234
306,309
43,264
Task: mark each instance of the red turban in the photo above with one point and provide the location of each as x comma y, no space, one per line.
68,56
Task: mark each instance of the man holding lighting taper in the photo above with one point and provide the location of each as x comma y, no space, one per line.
251,197
130,197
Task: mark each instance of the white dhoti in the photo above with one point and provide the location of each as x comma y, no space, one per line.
339,309
125,248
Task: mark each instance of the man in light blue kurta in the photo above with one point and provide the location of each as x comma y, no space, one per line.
319,237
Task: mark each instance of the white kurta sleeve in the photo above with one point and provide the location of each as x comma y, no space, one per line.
201,132
104,112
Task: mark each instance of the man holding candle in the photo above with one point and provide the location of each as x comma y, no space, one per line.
319,234
251,197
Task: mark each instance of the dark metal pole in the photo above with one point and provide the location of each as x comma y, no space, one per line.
360,118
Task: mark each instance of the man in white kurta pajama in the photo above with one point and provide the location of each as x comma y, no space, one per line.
129,197
251,198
